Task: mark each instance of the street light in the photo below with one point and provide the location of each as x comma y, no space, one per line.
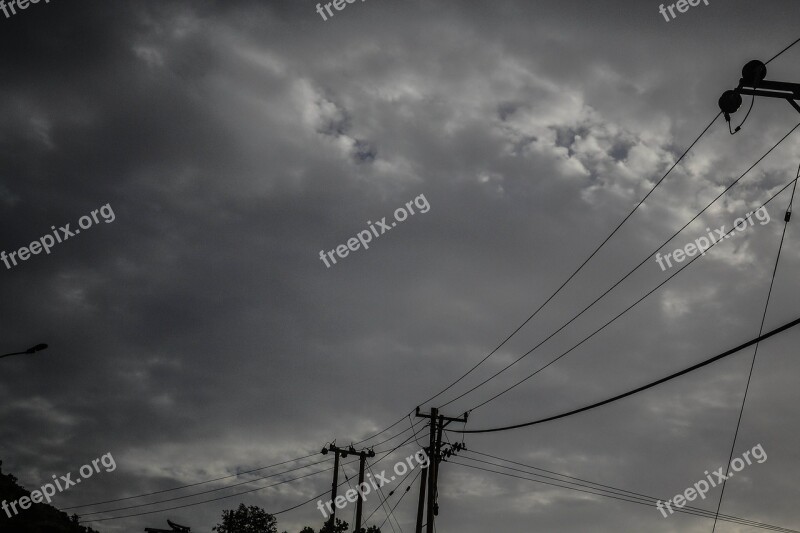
33,349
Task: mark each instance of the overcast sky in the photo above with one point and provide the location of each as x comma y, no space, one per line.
200,333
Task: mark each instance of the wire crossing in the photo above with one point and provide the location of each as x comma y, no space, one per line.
520,358
786,219
564,284
639,389
632,498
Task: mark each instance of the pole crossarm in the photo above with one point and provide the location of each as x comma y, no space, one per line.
462,419
754,83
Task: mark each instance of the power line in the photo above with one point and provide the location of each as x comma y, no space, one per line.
327,459
403,495
212,480
570,277
627,493
380,432
755,352
581,480
649,500
244,492
639,389
624,498
634,304
556,292
189,485
445,389
390,494
320,495
382,500
613,232
205,501
610,289
567,281
627,309
347,479
782,51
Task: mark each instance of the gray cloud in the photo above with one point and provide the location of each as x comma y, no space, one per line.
199,333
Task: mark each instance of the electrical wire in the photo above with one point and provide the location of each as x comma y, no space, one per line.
782,51
189,485
412,427
401,482
589,258
568,279
381,459
347,478
739,127
621,498
205,501
382,499
246,492
380,432
649,500
627,499
204,492
755,352
612,288
320,495
553,295
208,481
611,488
407,474
459,379
639,389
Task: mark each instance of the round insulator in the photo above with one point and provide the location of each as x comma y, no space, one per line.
754,72
730,101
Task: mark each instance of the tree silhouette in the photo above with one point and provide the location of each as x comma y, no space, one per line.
251,519
38,517
254,519
340,527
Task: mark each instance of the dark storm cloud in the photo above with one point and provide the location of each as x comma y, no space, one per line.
200,333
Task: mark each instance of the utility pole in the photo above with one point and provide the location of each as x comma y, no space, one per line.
335,486
434,456
432,459
359,503
421,505
362,454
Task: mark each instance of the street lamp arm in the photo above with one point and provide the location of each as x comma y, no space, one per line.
32,349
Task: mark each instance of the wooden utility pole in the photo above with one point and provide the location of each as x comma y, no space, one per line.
362,454
335,486
359,503
432,477
434,456
421,507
